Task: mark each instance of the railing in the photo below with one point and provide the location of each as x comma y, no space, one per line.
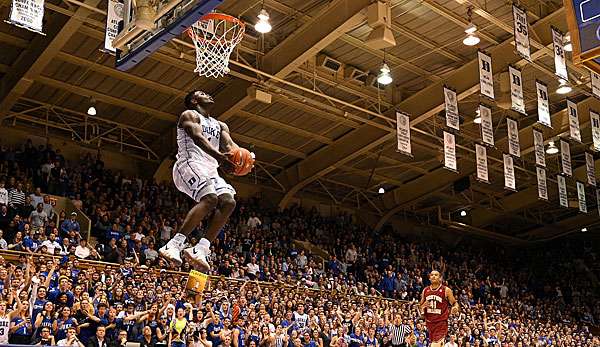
65,204
13,256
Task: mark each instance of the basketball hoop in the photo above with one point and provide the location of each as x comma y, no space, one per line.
215,36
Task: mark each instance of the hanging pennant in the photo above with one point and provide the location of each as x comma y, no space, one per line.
113,17
487,126
595,84
574,131
562,191
403,133
543,105
509,173
27,14
486,77
514,148
581,197
590,169
521,31
541,182
538,147
481,159
452,117
449,152
516,90
595,121
560,60
565,158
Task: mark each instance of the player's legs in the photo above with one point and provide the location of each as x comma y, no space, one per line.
225,206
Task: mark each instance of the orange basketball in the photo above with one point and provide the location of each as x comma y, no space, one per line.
243,161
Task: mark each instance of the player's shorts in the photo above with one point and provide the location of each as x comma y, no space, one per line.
191,178
437,330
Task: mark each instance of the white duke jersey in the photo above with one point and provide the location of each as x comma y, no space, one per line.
4,327
189,151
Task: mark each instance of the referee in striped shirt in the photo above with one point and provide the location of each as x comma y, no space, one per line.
398,332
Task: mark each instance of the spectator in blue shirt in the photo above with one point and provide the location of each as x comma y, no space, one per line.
70,224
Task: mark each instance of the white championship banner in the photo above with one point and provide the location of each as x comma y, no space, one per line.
543,104
560,60
516,90
482,166
563,199
574,130
113,17
403,133
486,77
28,14
514,148
509,173
449,152
538,147
521,31
581,197
541,183
565,158
487,126
451,103
595,84
590,169
595,123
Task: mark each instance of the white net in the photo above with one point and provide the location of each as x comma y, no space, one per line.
215,36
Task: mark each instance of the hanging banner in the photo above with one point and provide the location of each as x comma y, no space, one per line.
452,118
538,147
541,182
487,126
598,200
113,17
562,191
516,90
565,158
403,133
595,121
521,30
574,131
449,152
27,14
509,173
482,167
486,77
560,60
590,169
595,84
514,148
543,105
581,197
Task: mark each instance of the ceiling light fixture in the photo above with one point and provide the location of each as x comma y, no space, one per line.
381,190
463,213
263,25
563,87
384,78
552,149
584,229
92,109
472,39
477,119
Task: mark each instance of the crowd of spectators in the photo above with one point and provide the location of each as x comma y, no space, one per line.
357,295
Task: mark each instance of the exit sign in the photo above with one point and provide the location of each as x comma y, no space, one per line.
583,17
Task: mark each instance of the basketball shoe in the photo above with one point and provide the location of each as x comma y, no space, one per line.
198,255
172,250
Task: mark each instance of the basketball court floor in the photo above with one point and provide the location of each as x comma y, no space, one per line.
480,117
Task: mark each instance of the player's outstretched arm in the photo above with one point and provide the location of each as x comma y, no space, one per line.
194,130
452,300
227,143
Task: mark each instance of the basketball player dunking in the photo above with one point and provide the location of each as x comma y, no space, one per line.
203,143
435,302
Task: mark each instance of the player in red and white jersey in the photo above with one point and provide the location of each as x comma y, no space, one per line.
435,304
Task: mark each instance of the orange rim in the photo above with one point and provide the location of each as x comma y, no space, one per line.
216,16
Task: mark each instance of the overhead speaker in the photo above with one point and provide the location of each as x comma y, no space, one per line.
462,184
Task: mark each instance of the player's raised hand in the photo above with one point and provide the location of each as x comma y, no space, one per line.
455,310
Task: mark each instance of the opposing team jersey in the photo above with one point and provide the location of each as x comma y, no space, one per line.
188,150
437,308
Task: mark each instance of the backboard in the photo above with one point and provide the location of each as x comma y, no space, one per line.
149,24
583,17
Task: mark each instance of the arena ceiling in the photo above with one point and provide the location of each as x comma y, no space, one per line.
322,134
